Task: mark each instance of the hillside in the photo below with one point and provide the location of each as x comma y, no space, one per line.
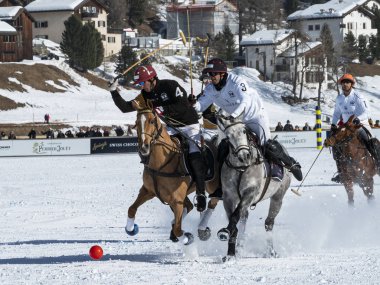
31,89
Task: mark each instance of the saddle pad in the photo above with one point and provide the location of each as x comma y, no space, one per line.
277,171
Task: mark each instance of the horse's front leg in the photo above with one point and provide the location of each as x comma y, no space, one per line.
349,186
230,233
177,234
144,195
204,232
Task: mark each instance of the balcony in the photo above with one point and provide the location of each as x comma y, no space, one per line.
89,15
282,67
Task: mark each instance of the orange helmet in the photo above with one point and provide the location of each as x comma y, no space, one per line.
348,77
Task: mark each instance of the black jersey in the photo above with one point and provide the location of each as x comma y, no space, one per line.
169,95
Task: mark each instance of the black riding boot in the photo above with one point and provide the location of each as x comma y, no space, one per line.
275,152
199,175
223,150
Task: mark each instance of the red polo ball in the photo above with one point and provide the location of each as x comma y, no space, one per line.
96,252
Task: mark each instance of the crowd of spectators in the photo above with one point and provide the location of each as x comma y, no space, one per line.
81,133
289,127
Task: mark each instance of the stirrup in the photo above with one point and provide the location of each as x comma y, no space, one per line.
218,194
201,202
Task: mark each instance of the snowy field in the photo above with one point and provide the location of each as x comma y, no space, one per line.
53,209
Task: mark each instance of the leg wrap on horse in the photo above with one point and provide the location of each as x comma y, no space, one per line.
275,152
223,150
198,171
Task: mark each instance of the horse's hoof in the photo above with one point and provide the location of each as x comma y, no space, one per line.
224,234
204,234
172,237
229,258
134,232
188,238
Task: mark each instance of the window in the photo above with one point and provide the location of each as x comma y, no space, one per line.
364,26
9,39
317,27
111,39
101,23
89,9
103,37
271,62
41,37
41,24
257,50
310,27
342,25
283,61
349,26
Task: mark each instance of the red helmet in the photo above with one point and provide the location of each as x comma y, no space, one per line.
215,65
144,73
348,77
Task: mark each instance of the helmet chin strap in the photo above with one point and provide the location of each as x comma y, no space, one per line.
222,82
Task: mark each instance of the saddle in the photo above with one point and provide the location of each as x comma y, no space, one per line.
208,156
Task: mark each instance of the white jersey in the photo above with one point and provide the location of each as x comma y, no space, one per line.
234,98
353,104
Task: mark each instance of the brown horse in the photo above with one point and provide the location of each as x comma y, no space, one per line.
166,177
357,165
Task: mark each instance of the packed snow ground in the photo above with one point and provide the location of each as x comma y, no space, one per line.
54,209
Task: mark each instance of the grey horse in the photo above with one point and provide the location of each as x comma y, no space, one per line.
245,183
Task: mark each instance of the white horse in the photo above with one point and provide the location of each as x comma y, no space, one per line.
245,181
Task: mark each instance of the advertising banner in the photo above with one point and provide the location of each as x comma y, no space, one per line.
44,147
298,139
114,145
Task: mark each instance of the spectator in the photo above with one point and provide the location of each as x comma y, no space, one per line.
377,124
47,118
81,134
288,127
306,127
89,132
12,135
69,134
32,134
279,127
119,131
106,133
98,133
297,128
370,122
129,131
60,135
2,135
49,133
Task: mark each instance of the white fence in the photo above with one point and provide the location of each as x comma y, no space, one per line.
44,147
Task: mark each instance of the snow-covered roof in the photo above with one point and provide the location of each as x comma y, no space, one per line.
6,28
267,37
302,48
7,13
331,9
49,5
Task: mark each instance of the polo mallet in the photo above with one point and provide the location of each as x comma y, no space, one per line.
181,36
191,67
297,190
208,39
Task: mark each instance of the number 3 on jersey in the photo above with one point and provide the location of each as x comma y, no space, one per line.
243,88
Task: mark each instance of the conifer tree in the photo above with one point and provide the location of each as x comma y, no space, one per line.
350,47
126,57
362,48
70,39
327,44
